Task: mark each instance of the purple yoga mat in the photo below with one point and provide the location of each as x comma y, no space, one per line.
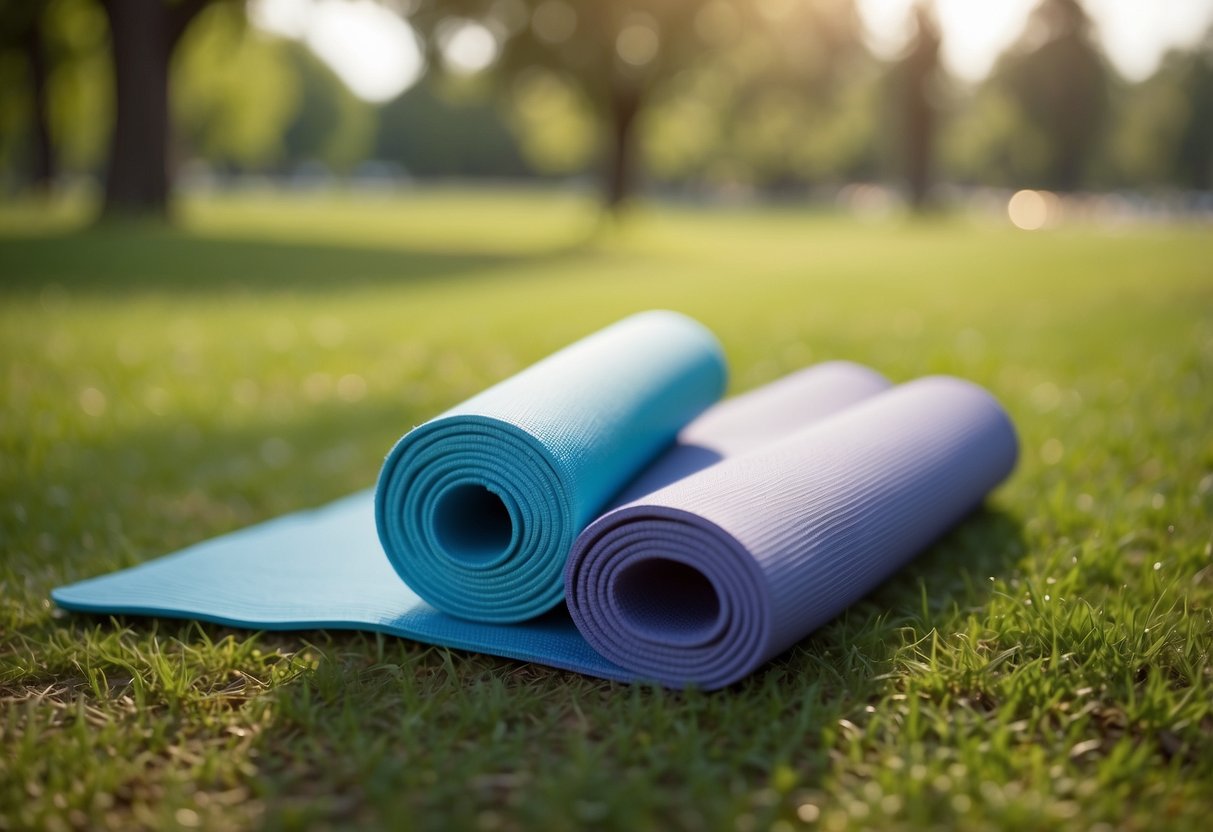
702,581
754,419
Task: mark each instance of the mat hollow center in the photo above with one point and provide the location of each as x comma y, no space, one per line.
667,600
472,523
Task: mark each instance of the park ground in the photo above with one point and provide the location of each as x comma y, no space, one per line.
1046,666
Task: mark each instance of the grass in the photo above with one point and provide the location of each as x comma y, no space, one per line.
1046,666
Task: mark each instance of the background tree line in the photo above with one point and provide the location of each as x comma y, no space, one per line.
774,95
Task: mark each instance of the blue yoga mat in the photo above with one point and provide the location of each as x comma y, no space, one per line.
326,568
477,509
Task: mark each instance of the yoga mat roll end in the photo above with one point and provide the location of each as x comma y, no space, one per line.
705,580
478,508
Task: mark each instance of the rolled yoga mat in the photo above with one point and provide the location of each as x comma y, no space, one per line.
756,418
478,508
706,579
325,568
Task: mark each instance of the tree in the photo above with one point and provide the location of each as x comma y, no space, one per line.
448,127
143,35
53,120
617,55
21,28
1162,134
233,90
1194,154
331,125
758,86
917,76
1058,79
800,102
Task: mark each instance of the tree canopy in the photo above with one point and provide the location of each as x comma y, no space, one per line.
768,94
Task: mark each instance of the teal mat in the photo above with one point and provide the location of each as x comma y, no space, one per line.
478,508
318,569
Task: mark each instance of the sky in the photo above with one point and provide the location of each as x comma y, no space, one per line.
376,54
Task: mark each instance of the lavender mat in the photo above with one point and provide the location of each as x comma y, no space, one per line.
706,579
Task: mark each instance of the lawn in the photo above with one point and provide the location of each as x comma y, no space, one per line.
1045,666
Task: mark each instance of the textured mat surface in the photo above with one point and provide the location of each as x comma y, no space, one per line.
704,580
319,569
477,509
326,568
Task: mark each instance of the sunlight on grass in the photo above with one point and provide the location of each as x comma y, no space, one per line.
1046,665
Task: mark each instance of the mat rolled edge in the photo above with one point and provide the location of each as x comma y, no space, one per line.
702,582
478,508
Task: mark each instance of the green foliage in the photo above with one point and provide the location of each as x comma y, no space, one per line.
554,125
331,124
1058,82
450,126
81,84
992,142
770,94
1152,118
234,90
1047,666
79,88
14,112
685,129
1165,133
718,85
18,20
1194,159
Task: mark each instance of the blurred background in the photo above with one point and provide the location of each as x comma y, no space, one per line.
1025,108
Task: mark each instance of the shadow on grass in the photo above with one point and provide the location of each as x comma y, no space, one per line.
121,261
136,494
527,739
375,726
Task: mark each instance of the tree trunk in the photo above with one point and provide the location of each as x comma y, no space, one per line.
918,70
143,35
42,172
919,136
617,182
